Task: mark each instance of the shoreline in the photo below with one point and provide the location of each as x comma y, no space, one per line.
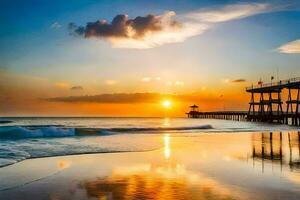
158,134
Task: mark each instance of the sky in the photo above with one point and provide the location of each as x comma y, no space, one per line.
127,58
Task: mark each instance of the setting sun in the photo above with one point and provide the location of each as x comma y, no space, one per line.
166,103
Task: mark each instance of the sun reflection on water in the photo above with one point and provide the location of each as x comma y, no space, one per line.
167,149
166,122
166,181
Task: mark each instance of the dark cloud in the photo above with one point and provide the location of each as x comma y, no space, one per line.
129,98
122,27
76,88
76,30
109,98
241,80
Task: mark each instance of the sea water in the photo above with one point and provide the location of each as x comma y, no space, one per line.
23,138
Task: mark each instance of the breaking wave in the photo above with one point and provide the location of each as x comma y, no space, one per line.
21,132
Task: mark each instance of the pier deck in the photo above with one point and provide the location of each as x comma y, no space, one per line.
227,115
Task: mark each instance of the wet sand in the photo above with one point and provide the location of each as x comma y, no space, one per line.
192,166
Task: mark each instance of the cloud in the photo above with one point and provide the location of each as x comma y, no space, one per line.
76,88
179,83
151,31
109,98
291,47
226,80
146,79
241,80
55,25
229,12
129,98
111,82
62,85
149,79
125,32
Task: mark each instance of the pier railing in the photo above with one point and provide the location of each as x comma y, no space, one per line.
281,83
227,115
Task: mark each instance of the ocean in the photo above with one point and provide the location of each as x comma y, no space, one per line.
35,137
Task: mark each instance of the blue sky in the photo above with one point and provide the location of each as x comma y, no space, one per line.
35,43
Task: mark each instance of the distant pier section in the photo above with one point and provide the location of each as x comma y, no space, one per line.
267,104
227,115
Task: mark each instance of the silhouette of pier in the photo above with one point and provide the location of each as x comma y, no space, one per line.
226,115
266,104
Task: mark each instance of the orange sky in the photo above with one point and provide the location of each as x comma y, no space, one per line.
92,61
29,96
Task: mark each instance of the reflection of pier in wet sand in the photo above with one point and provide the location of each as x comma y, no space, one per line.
277,148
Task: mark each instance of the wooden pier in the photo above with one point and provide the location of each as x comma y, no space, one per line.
266,104
226,115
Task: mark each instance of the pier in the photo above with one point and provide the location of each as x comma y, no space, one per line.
226,115
267,104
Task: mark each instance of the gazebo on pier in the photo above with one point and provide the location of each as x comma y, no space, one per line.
193,112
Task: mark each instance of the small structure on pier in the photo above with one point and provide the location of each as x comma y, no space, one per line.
193,112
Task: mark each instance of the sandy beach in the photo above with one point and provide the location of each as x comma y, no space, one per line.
206,166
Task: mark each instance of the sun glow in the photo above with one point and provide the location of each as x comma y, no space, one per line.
167,152
167,104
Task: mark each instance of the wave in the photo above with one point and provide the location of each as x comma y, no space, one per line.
22,132
161,128
18,132
5,121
